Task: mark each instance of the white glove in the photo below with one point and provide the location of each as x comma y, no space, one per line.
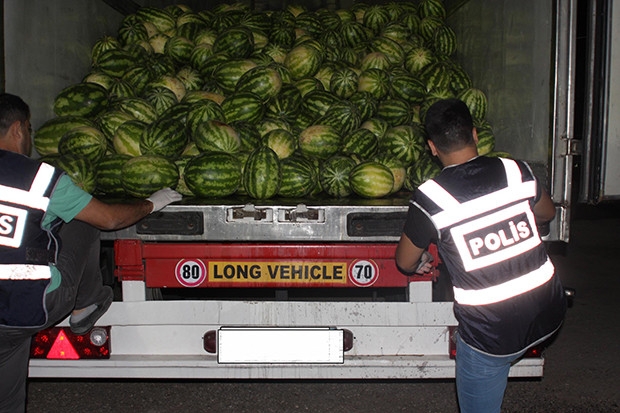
163,197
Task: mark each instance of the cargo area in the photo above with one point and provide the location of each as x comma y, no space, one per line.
518,54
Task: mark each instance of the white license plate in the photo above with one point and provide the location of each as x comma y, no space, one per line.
280,345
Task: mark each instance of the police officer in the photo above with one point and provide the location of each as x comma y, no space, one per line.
483,212
49,249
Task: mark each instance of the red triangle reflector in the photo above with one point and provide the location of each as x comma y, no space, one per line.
62,348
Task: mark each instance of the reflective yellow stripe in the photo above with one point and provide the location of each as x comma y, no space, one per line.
24,272
507,290
34,197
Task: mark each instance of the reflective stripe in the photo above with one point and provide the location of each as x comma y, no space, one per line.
506,290
24,272
454,212
34,197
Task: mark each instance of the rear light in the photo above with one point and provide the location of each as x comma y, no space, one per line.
59,343
532,352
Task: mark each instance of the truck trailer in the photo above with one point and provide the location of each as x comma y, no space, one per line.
240,288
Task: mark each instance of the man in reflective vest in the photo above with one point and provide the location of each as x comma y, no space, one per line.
483,213
49,249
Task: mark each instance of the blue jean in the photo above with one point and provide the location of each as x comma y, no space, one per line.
481,378
78,263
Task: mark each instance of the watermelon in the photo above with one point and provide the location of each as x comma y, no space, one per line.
444,41
85,142
170,82
109,174
421,171
81,99
390,48
285,105
282,142
417,59
115,62
343,82
342,116
378,126
48,135
376,17
486,141
99,78
299,177
408,88
120,89
334,175
160,98
248,135
216,136
213,175
397,167
263,81
190,77
261,174
320,141
163,21
316,103
375,60
394,111
142,175
126,139
228,73
102,45
374,81
476,101
181,162
138,77
202,111
433,8
361,142
309,84
179,49
354,33
138,108
165,137
243,106
110,120
132,30
371,179
303,61
81,171
366,104
405,142
237,42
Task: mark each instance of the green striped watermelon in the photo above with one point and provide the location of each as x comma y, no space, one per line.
143,175
237,42
109,175
394,111
81,171
138,108
374,81
228,73
376,17
243,106
334,175
303,61
165,137
299,176
319,141
261,174
126,140
110,120
84,142
476,101
404,142
249,136
46,138
216,136
371,179
202,111
213,175
81,99
361,142
263,81
343,82
282,142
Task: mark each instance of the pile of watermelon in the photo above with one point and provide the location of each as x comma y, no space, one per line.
289,103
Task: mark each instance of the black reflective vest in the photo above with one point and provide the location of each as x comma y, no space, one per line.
507,296
26,249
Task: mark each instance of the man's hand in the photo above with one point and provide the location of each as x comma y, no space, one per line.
426,263
163,197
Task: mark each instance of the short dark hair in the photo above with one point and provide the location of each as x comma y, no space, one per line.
12,109
449,125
